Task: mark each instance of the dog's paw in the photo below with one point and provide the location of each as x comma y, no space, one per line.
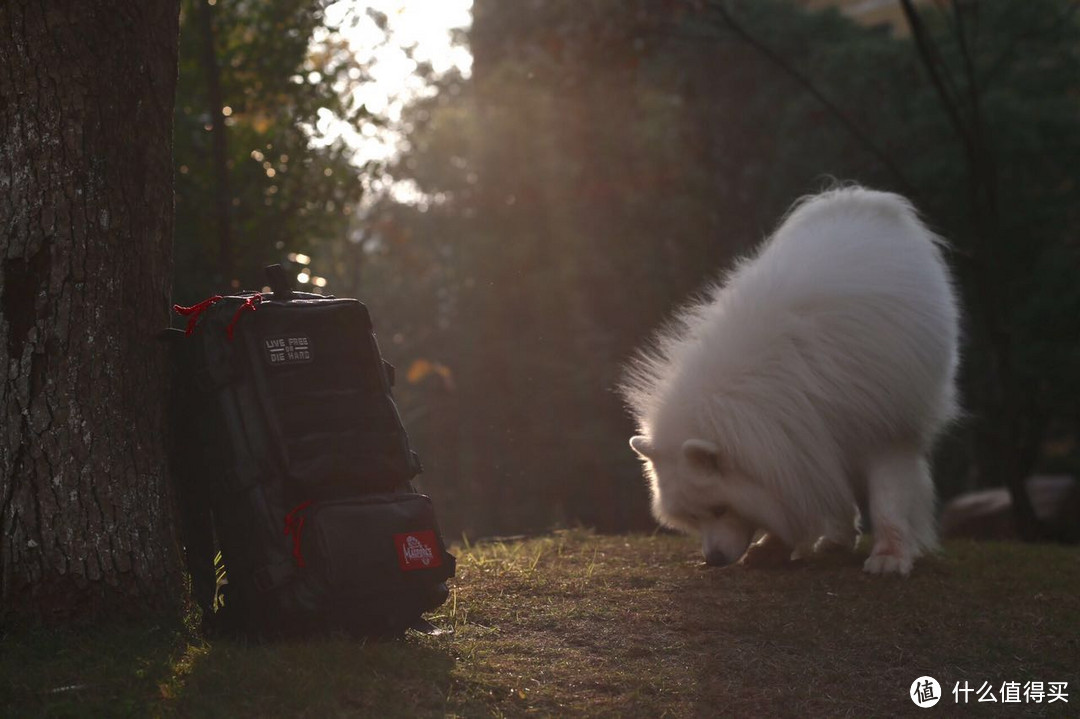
766,553
891,553
889,563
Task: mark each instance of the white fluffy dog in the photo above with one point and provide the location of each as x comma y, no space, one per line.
809,384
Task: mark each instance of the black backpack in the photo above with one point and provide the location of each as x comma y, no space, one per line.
290,459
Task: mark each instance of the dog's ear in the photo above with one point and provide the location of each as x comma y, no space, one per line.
702,455
642,446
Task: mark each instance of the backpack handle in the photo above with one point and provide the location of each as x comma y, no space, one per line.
279,283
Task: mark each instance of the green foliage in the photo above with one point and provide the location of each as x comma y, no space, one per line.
288,192
607,158
604,161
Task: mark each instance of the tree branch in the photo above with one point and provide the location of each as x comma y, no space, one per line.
942,84
850,125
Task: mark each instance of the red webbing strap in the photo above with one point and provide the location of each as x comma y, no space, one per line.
251,303
193,312
294,525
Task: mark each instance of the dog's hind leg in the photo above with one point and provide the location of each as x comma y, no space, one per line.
901,510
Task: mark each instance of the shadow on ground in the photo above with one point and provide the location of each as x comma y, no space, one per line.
821,638
168,671
581,625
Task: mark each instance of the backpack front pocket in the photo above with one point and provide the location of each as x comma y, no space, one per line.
375,544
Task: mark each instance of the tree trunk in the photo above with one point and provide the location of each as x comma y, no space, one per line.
86,219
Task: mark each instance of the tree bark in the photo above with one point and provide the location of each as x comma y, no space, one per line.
86,219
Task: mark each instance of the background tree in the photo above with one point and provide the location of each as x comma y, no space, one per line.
1018,236
596,168
257,178
86,220
605,159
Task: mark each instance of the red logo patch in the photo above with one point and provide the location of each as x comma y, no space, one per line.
417,550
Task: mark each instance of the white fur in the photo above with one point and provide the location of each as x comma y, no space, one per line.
813,380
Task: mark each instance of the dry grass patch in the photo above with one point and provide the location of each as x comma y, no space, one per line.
581,625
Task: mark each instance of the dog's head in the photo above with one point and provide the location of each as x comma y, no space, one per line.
696,489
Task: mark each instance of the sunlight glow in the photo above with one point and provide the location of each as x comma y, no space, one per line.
422,29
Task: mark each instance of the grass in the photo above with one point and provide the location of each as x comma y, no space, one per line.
609,626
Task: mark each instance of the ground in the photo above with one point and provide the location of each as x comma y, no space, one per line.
579,625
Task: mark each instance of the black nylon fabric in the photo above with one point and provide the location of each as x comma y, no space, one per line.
351,545
326,397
